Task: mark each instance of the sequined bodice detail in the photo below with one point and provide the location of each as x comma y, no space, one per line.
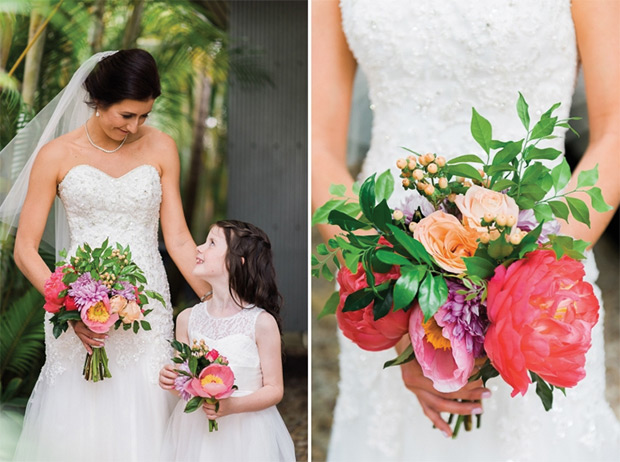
428,63
234,338
123,210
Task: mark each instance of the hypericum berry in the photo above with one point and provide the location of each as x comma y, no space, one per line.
432,168
412,226
452,197
482,174
429,157
411,164
515,239
406,182
421,185
443,183
441,161
398,215
500,220
467,184
460,179
511,221
412,157
418,174
429,190
401,163
485,238
494,234
489,217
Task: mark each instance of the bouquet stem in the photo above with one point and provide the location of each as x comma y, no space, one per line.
96,365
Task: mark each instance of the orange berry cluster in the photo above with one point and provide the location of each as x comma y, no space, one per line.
424,172
501,224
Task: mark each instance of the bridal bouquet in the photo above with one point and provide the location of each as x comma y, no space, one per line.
470,264
203,376
102,287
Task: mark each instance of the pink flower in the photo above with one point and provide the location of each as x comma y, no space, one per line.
360,326
443,358
541,314
53,286
70,303
97,316
212,355
117,303
215,381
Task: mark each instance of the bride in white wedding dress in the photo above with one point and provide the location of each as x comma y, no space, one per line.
115,177
427,64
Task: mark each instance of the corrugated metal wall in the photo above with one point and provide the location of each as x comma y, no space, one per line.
267,134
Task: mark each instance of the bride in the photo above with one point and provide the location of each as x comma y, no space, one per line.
427,64
115,177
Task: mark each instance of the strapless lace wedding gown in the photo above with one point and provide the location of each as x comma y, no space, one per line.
122,418
427,64
259,436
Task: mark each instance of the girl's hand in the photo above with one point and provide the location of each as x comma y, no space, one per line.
434,402
89,338
227,407
167,375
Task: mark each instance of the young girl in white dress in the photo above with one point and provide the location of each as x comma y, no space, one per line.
236,260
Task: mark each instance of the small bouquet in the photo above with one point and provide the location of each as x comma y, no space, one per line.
101,287
471,265
204,376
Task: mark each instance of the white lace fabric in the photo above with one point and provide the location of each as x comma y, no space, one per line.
427,64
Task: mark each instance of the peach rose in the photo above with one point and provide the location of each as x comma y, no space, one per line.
447,240
131,312
117,303
477,201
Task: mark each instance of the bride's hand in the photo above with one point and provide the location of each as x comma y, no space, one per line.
89,338
434,402
167,375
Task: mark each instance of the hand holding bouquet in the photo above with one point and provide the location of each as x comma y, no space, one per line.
204,376
101,287
470,264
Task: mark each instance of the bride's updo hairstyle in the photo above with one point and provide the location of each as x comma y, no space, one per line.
127,74
252,276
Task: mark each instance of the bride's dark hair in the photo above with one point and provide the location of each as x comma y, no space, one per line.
252,276
127,74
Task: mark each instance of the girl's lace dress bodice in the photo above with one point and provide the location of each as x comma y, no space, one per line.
65,414
427,64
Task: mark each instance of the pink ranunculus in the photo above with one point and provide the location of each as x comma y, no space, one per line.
541,314
53,286
97,316
360,326
212,355
214,381
70,303
443,358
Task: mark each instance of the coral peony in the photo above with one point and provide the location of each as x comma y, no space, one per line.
447,240
442,356
478,201
53,286
360,326
214,381
541,314
97,316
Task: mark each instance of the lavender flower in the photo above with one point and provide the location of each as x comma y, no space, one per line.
86,291
466,318
527,222
127,291
181,381
413,203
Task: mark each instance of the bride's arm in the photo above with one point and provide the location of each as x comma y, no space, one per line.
333,70
269,350
177,237
597,25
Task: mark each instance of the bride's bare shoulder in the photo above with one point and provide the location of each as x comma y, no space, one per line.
57,150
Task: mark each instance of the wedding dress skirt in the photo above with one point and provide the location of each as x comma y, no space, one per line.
259,436
427,64
122,418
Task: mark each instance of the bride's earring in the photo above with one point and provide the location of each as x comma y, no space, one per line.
97,114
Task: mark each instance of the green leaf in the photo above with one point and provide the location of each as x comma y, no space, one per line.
560,175
544,127
136,327
523,111
384,186
406,356
481,130
391,258
346,222
367,197
579,210
321,249
432,294
351,261
326,272
587,177
313,260
478,266
407,285
543,212
464,170
559,209
321,214
495,169
412,246
193,404
499,248
383,305
508,153
331,305
598,203
358,300
145,325
543,390
467,158
382,215
536,153
503,184
337,190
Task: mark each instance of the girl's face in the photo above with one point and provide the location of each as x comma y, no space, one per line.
123,118
211,256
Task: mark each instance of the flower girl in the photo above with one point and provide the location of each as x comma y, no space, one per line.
241,322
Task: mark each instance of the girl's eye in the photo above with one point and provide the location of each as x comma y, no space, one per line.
126,116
